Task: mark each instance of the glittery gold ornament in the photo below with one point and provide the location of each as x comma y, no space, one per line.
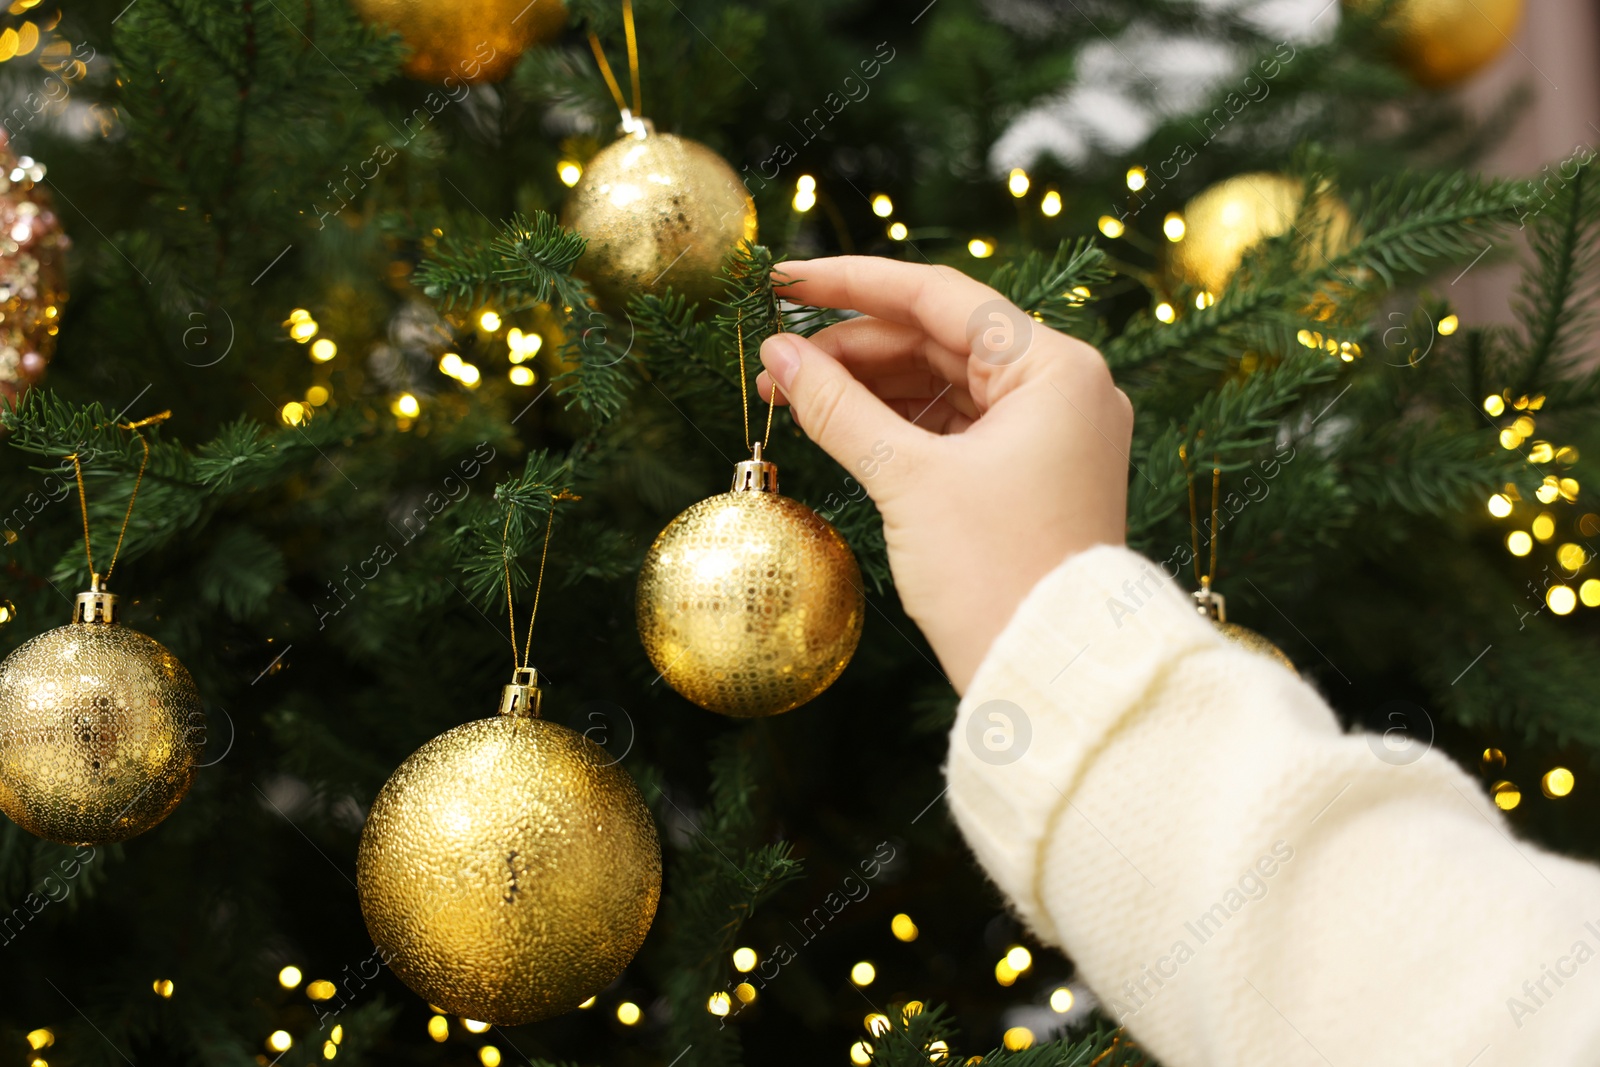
473,40
100,729
1443,42
749,603
509,869
33,282
1213,605
1233,216
658,210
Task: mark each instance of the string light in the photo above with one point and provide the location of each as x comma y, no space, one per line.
294,413
1572,557
1493,759
882,206
1506,795
489,1056
1135,178
1557,782
744,960
1499,506
1019,958
980,248
163,988
473,1026
898,231
1561,599
587,1004
877,1024
322,350
1519,543
280,1041
338,1033
522,346
406,406
329,1050
1018,182
569,172
745,992
1589,593
861,1053
1004,973
317,396
1111,227
628,1013
719,1003
1061,1000
521,375
1544,527
1165,312
863,973
322,989
302,327
912,1007
489,320
1448,325
903,928
937,1050
1173,226
439,1028
1017,1038
1494,405
1204,299
289,977
1050,204
805,193
44,1038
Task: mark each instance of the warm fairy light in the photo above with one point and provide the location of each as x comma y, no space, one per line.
628,1013
898,231
882,206
719,1003
1571,557
317,395
1017,1038
744,960
588,1003
1524,426
294,413
1135,178
745,992
1557,782
289,977
522,346
469,376
1566,455
1494,405
1542,452
1499,506
1519,543
1449,325
1548,493
1348,351
450,363
1493,759
912,1007
863,973
1050,204
1506,795
1204,299
805,193
806,183
1111,227
903,928
1018,182
1165,312
1061,1000
329,1050
438,1028
473,1026
489,320
163,988
303,331
521,375
1569,489
1544,527
42,1038
569,172
489,1056
877,1024
1173,227
1561,599
861,1054
1509,438
321,989
980,248
406,406
338,1033
937,1051
1019,958
279,1041
322,350
1589,593
1004,973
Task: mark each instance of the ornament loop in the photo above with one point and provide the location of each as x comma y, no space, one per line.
521,698
95,606
755,475
1209,603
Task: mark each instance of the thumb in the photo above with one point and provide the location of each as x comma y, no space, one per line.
834,409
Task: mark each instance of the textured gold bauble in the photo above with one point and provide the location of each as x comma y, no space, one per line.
749,603
657,211
1250,640
101,730
1443,42
1233,216
509,870
473,40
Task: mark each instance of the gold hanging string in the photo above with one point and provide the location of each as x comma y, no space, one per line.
633,64
83,496
538,588
1204,580
605,72
744,394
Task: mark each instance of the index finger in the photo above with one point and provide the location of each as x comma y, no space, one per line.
940,300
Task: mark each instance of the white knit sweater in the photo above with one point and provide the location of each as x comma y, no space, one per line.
1240,882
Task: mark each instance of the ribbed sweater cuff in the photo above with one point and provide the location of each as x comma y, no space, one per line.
1079,654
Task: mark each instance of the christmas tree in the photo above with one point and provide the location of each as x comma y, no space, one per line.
385,360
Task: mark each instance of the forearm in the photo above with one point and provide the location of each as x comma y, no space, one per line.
1237,880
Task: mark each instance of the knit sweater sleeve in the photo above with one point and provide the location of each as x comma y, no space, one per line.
1240,882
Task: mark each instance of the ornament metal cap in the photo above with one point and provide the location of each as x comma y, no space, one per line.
1211,604
755,475
520,699
96,606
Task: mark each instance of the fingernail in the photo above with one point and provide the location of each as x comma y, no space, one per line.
781,356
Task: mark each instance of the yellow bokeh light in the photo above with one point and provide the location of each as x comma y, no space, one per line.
863,973
1165,312
1017,182
1506,795
806,183
41,1038
861,1054
1135,178
1557,782
745,992
1111,227
1173,226
521,375
1493,759
912,1007
1524,426
882,206
438,1028
898,231
338,1033
317,395
628,1013
289,977
489,320
163,988
719,1003
473,1026
1544,527
322,989
1017,1038
1548,493
1494,405
450,363
1019,958
279,1041
587,1004
470,376
1004,973
406,406
329,1050
805,200
322,350
937,1051
980,248
1510,439
744,960
1061,1000
1499,506
903,928
1569,488
1449,325
1589,593
489,1056
1204,299
569,172
303,331
1561,599
877,1024
1541,452
1571,556
522,346
1519,543
1050,204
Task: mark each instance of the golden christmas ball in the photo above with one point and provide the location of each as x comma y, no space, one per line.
749,603
473,40
509,869
1251,641
658,210
1443,42
1233,216
101,730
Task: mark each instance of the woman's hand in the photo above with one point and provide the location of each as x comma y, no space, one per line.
994,447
